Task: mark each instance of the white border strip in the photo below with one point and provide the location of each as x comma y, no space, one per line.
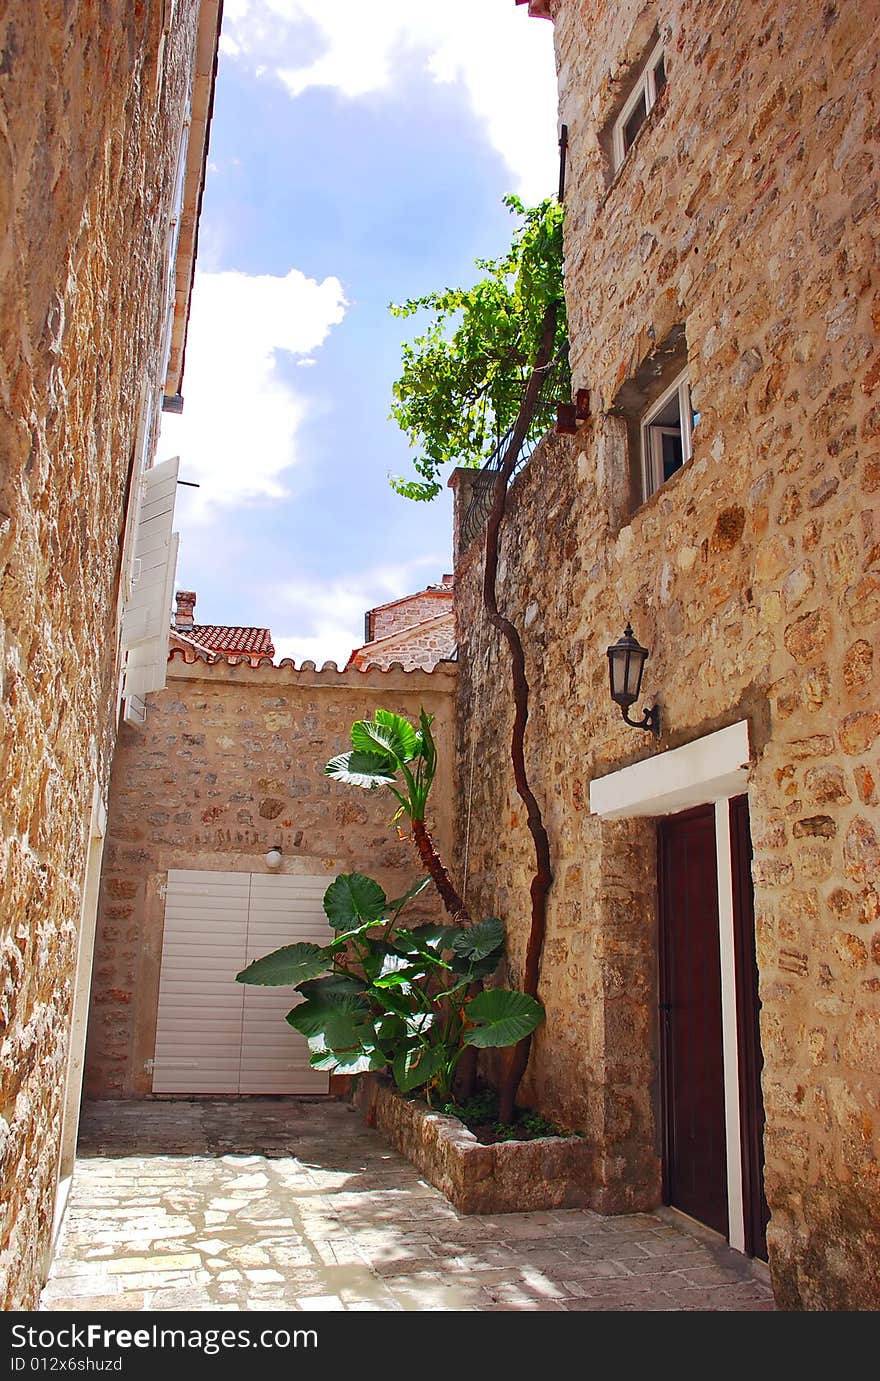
730,1045
709,769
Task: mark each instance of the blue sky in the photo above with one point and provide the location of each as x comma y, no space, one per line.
359,155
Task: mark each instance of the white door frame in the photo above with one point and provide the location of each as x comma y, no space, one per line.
79,1016
710,770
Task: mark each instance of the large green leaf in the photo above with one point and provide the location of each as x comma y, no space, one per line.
333,986
386,733
420,1022
400,902
393,1001
343,1022
477,968
373,962
426,746
391,1029
354,1061
345,937
351,898
431,940
501,1017
289,965
478,941
398,971
367,770
416,1066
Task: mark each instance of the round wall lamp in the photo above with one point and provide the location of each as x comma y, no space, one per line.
273,856
626,662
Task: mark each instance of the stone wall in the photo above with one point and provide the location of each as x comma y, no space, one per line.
420,645
403,613
88,133
744,214
230,762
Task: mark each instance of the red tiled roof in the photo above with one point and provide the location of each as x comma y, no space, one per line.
230,638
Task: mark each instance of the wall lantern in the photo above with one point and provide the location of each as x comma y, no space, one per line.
626,662
273,856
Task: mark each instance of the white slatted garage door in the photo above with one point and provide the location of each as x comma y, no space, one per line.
214,1035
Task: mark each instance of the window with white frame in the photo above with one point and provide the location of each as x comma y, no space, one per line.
667,431
641,99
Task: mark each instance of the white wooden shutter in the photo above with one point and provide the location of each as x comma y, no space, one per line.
284,910
147,614
146,664
198,1027
214,1035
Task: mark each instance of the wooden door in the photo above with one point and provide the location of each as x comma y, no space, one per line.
692,1060
756,1214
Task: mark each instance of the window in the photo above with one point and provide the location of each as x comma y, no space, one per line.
640,101
667,434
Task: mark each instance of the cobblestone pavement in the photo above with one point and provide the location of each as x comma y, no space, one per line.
287,1204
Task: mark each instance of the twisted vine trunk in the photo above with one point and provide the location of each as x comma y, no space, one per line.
543,876
436,868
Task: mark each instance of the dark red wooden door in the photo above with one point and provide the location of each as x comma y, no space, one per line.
748,1006
695,1157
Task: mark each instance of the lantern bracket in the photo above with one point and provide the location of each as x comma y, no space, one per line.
650,719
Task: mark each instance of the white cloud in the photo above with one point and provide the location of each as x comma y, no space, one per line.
329,615
237,434
503,58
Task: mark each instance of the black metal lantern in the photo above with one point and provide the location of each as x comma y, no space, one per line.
626,662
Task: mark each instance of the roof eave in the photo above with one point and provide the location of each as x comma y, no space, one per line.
204,86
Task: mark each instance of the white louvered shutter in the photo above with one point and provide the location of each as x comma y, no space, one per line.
147,615
146,664
215,1035
284,910
198,1028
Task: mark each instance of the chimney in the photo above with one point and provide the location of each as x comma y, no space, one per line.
183,614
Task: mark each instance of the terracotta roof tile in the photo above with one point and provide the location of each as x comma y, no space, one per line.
231,638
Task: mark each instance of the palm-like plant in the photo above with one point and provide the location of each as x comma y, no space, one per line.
388,751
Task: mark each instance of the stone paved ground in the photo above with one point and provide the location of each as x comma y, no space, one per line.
286,1204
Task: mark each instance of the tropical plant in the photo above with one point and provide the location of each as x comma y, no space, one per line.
390,752
381,996
462,381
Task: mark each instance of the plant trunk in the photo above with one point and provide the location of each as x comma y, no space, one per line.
515,1065
437,870
466,1073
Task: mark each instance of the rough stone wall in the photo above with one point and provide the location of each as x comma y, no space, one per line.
86,143
229,762
405,612
744,212
422,645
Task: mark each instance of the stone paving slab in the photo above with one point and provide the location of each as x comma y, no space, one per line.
294,1204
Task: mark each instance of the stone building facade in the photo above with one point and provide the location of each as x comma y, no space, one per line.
721,210
94,288
415,631
228,765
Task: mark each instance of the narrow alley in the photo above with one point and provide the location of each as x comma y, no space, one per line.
290,1204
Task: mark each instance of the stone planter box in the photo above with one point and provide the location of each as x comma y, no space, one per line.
507,1177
